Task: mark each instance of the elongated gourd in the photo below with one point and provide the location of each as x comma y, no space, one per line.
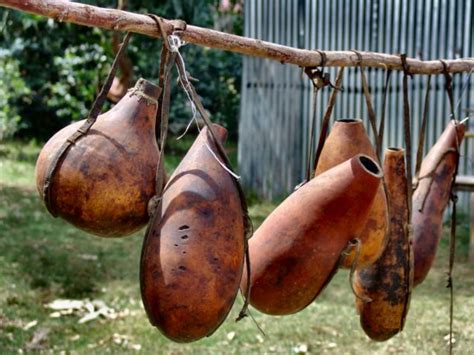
431,197
385,286
193,253
346,139
296,251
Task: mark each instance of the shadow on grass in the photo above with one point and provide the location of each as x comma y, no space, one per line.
55,256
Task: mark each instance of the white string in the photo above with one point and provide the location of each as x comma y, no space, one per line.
463,89
175,43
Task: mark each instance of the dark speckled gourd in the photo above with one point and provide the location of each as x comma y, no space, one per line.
193,253
388,282
105,180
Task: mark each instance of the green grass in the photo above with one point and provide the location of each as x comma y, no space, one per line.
43,259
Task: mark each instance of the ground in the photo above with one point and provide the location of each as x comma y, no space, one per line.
43,259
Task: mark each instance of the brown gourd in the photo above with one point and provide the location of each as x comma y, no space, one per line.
193,253
431,197
385,286
346,139
104,180
296,250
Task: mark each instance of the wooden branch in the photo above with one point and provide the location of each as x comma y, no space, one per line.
81,14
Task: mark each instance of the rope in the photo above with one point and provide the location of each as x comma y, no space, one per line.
164,83
421,142
319,79
452,239
368,101
83,129
448,85
382,117
327,116
354,243
225,163
407,131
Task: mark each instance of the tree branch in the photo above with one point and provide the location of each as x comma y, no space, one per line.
81,14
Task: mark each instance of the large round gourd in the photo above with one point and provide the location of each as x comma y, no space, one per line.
105,179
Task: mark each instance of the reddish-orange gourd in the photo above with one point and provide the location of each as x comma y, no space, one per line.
346,139
431,197
296,250
193,253
105,179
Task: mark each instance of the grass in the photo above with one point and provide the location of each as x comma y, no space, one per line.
43,259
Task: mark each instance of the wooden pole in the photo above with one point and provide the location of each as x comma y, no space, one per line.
113,19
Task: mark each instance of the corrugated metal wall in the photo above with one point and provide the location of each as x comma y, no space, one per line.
276,98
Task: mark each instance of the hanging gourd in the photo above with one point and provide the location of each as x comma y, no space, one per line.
193,252
295,252
102,182
385,286
346,139
432,195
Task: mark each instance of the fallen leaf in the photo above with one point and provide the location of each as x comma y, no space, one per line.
75,337
88,317
300,349
88,257
30,325
39,340
136,347
230,336
60,304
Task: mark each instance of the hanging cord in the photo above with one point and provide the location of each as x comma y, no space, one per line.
421,141
222,159
463,89
409,176
319,79
452,239
448,85
327,115
83,129
429,175
378,135
368,101
407,131
351,245
164,83
388,73
452,251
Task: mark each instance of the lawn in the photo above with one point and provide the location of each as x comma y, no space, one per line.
43,259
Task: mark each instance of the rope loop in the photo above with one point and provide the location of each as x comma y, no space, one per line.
359,57
318,77
406,69
448,86
324,58
171,45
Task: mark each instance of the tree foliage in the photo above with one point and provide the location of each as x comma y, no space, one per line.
51,71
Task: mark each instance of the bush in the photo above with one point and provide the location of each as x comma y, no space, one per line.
57,68
13,92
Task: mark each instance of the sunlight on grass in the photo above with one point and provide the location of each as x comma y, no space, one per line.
43,259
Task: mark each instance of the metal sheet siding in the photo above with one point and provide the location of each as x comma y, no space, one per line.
277,100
